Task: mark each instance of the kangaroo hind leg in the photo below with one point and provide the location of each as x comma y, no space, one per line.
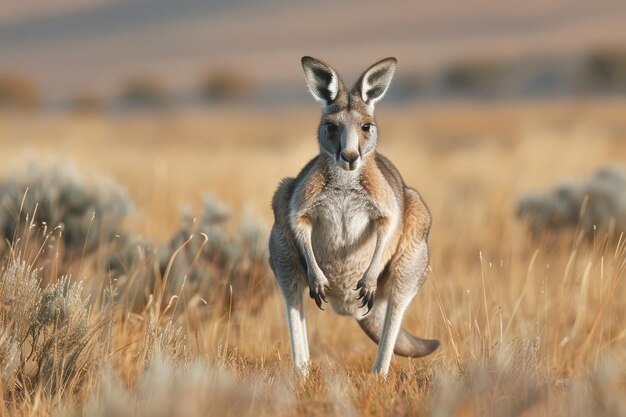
290,275
406,275
406,345
297,328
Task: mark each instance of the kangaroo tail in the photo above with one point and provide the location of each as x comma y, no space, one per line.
406,344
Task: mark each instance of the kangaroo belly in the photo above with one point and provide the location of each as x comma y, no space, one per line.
344,270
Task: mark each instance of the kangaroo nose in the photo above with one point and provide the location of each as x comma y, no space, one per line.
349,156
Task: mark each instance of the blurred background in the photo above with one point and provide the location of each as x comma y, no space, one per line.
114,54
176,100
141,142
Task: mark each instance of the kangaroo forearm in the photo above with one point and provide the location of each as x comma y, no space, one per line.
317,281
383,236
302,227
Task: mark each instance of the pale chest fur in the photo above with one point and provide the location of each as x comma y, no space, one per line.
343,234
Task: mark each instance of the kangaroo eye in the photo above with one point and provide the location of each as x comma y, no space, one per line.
331,127
366,127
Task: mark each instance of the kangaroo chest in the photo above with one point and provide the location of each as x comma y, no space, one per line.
343,234
343,218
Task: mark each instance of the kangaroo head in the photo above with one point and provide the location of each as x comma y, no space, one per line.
347,130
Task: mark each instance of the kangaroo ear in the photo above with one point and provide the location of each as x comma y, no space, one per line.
321,79
374,82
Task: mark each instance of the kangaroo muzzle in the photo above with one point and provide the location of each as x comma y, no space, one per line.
349,157
350,160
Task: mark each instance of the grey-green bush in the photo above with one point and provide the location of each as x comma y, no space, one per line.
200,258
45,334
596,204
89,212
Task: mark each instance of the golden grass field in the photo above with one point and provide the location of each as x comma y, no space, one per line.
529,326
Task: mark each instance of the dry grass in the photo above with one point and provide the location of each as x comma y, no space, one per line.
529,326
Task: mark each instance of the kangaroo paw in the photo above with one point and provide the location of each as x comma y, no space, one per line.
317,291
367,294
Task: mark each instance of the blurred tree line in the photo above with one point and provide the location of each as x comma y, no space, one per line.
599,72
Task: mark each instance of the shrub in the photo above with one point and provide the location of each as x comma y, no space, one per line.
89,213
45,335
201,259
86,102
225,84
605,71
144,92
19,92
485,77
599,203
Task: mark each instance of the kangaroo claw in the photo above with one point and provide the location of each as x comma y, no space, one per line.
318,293
367,294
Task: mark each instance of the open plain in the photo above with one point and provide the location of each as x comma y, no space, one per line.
530,325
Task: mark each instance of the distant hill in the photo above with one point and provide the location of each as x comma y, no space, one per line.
101,45
29,9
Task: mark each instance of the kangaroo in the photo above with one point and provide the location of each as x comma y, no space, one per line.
347,227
